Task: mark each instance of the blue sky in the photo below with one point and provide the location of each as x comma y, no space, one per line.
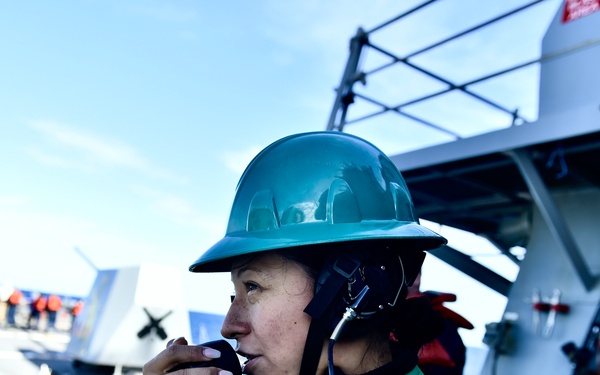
125,125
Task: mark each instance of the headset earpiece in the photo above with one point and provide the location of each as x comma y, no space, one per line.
363,282
384,279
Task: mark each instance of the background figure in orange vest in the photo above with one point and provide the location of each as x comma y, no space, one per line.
446,354
38,306
13,303
76,310
53,306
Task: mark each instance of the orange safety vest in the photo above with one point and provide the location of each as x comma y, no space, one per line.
15,297
54,303
40,304
76,310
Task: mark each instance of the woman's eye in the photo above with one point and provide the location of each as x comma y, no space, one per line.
250,286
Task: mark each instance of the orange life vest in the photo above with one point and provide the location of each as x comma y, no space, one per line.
40,304
15,297
54,303
76,310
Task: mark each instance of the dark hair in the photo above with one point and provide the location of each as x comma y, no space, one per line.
412,322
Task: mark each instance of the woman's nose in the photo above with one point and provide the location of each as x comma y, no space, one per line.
236,323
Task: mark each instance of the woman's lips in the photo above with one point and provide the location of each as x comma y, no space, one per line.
249,363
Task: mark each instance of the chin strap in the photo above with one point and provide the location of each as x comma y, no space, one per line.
321,310
313,347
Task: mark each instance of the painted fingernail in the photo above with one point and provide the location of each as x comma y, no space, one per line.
211,353
225,372
172,342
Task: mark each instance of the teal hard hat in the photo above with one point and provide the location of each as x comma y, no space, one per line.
314,189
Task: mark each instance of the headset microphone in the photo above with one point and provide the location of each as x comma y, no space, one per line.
349,315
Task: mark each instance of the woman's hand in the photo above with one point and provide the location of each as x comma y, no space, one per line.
178,351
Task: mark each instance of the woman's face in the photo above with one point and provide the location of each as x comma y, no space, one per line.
266,317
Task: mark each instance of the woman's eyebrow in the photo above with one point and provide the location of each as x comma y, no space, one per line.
240,271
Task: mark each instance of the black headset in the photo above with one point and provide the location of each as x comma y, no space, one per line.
356,285
366,286
374,286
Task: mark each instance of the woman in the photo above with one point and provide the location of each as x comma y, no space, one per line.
322,243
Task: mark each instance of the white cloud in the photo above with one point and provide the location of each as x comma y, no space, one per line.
182,211
53,160
104,150
93,151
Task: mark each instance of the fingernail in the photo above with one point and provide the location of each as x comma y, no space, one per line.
211,353
175,340
225,372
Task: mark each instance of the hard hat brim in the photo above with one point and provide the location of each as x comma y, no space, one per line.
405,236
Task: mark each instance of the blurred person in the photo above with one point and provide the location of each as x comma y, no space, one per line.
75,310
53,306
13,304
37,309
6,290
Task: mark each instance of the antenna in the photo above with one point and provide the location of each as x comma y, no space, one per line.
87,260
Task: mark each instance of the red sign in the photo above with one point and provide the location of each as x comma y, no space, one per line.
574,9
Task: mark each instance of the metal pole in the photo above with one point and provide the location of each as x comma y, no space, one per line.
471,268
350,76
552,216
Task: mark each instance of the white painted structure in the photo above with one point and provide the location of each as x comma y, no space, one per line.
119,307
